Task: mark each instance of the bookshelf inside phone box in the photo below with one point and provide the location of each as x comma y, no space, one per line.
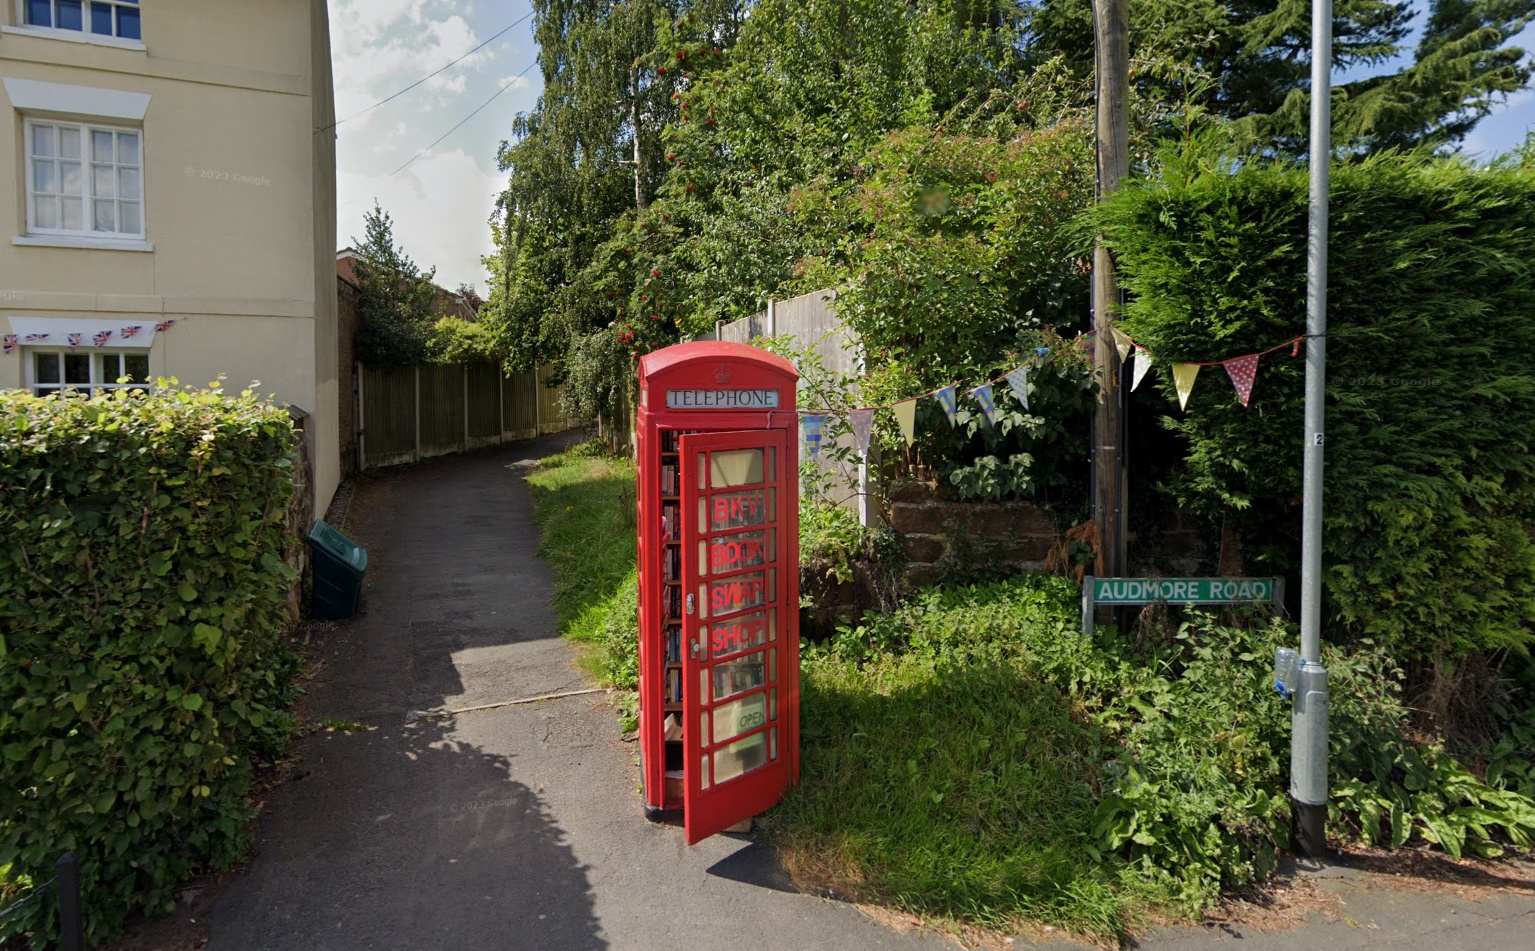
718,536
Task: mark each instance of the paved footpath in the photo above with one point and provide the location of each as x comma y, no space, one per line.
520,827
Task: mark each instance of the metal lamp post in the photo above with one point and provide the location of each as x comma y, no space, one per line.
1308,744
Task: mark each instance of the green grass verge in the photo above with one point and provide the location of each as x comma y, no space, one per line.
584,506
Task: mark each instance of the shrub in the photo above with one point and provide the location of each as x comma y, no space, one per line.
1430,500
143,665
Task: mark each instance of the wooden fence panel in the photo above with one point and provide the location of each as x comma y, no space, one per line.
484,400
442,408
455,407
388,415
519,409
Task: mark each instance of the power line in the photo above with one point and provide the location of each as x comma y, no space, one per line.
509,84
423,79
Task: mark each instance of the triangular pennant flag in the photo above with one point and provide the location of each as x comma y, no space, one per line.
1041,351
1295,348
1019,381
863,423
982,395
906,415
1123,343
813,423
949,402
1142,364
74,340
10,342
1183,381
1243,371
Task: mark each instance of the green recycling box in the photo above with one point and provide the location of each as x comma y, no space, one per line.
339,564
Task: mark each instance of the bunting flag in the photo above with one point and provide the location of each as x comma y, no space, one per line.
1123,343
1295,349
863,424
74,340
1019,381
982,395
101,339
1041,351
949,401
1142,364
1242,372
10,342
33,338
1183,381
163,326
131,331
906,415
813,423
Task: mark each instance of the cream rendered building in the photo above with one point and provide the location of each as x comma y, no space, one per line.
167,176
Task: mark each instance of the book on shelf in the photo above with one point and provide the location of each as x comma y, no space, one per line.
674,645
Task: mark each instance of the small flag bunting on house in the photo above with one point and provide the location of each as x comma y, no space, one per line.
1183,381
863,424
949,401
130,331
813,424
1019,381
1041,351
1242,372
74,340
163,326
34,338
906,415
101,339
10,342
1142,364
982,396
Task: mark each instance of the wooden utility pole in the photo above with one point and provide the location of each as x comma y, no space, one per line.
1111,28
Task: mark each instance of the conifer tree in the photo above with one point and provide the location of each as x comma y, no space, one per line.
395,298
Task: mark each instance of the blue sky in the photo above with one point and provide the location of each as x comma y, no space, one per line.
441,203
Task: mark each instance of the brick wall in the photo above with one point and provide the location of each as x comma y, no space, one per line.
944,537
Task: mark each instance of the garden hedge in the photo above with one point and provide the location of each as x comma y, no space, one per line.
143,662
1430,502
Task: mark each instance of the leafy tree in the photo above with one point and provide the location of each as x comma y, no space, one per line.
396,299
1249,62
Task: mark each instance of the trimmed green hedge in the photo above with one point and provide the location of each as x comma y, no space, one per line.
1430,500
143,664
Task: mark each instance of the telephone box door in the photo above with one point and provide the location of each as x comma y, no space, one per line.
736,598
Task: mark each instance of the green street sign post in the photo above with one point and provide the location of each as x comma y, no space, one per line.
1130,592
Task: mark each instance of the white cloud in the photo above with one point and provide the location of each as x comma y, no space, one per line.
380,46
440,203
444,227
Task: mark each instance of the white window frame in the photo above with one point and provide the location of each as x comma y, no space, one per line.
88,197
98,385
84,34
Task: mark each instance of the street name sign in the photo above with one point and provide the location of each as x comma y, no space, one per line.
1127,592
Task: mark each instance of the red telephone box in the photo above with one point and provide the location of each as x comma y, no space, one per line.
718,533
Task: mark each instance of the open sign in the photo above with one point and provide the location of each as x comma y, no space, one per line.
732,552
